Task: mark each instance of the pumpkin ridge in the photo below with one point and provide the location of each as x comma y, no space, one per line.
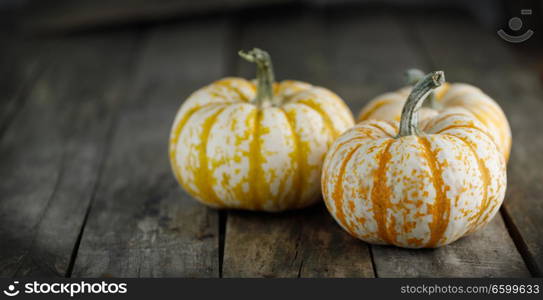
441,131
493,107
441,207
298,154
330,156
338,191
485,178
438,120
226,83
392,124
335,98
486,119
357,137
202,177
458,100
324,116
255,169
380,192
177,133
378,104
494,119
375,125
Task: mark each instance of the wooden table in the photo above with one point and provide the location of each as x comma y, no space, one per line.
86,188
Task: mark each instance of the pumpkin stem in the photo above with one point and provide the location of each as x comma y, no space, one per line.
264,74
409,122
415,75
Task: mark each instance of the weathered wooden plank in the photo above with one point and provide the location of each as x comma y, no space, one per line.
328,251
263,245
304,243
464,258
141,223
21,60
480,57
293,244
489,252
50,154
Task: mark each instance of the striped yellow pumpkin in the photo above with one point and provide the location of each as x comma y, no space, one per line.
390,183
237,144
449,98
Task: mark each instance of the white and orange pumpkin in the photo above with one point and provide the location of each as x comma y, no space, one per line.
390,183
237,144
448,98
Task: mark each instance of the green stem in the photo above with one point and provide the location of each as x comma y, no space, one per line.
264,75
415,75
409,122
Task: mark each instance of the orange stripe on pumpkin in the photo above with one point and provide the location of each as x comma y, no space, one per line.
377,104
485,178
365,133
227,83
434,122
498,120
255,169
176,133
483,131
441,209
381,193
376,126
327,122
297,155
202,178
393,124
337,194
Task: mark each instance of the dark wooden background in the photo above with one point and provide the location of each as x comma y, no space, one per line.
85,111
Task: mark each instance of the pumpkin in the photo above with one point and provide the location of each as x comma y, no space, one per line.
414,184
450,97
256,145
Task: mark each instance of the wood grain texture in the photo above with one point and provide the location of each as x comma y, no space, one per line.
327,252
141,223
21,60
50,154
292,244
378,58
516,87
463,258
304,243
